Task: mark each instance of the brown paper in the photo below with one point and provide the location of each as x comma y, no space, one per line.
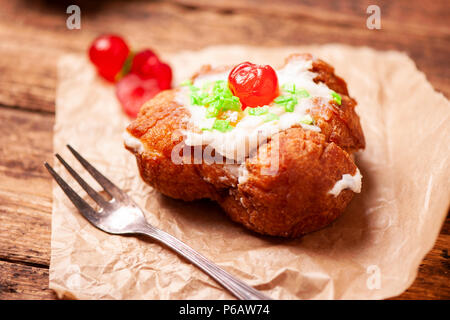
373,251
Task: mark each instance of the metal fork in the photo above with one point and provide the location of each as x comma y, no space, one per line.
121,215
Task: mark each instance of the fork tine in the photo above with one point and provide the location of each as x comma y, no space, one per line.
85,209
107,185
90,191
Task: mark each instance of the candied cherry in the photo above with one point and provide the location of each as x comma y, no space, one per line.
108,53
255,85
133,91
147,65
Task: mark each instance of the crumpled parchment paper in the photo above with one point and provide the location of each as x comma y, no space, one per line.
373,251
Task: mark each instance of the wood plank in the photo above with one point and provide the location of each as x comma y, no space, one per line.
25,54
28,76
18,281
432,280
407,13
24,229
25,186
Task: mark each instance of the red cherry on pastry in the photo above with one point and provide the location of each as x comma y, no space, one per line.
255,85
108,53
147,65
133,91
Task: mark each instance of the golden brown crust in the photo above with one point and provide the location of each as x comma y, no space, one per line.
308,168
291,202
157,126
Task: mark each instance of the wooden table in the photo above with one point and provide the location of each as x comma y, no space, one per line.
33,35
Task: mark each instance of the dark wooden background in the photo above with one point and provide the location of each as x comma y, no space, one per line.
33,35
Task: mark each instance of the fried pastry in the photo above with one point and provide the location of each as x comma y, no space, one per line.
274,148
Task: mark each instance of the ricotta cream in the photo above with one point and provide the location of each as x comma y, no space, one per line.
132,142
347,181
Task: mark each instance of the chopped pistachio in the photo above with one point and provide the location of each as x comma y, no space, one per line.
222,125
302,93
258,111
336,97
307,119
289,87
290,100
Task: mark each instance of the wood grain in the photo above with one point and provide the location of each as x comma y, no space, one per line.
416,14
33,35
432,280
18,281
25,187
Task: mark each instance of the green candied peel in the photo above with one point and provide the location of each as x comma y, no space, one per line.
292,89
288,101
216,96
270,117
292,94
336,97
307,119
222,125
258,111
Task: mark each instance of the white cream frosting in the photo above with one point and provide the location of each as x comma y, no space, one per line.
132,142
347,181
243,173
251,131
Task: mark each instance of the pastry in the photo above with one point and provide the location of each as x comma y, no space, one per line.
273,147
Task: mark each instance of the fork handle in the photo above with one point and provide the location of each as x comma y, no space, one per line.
235,286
